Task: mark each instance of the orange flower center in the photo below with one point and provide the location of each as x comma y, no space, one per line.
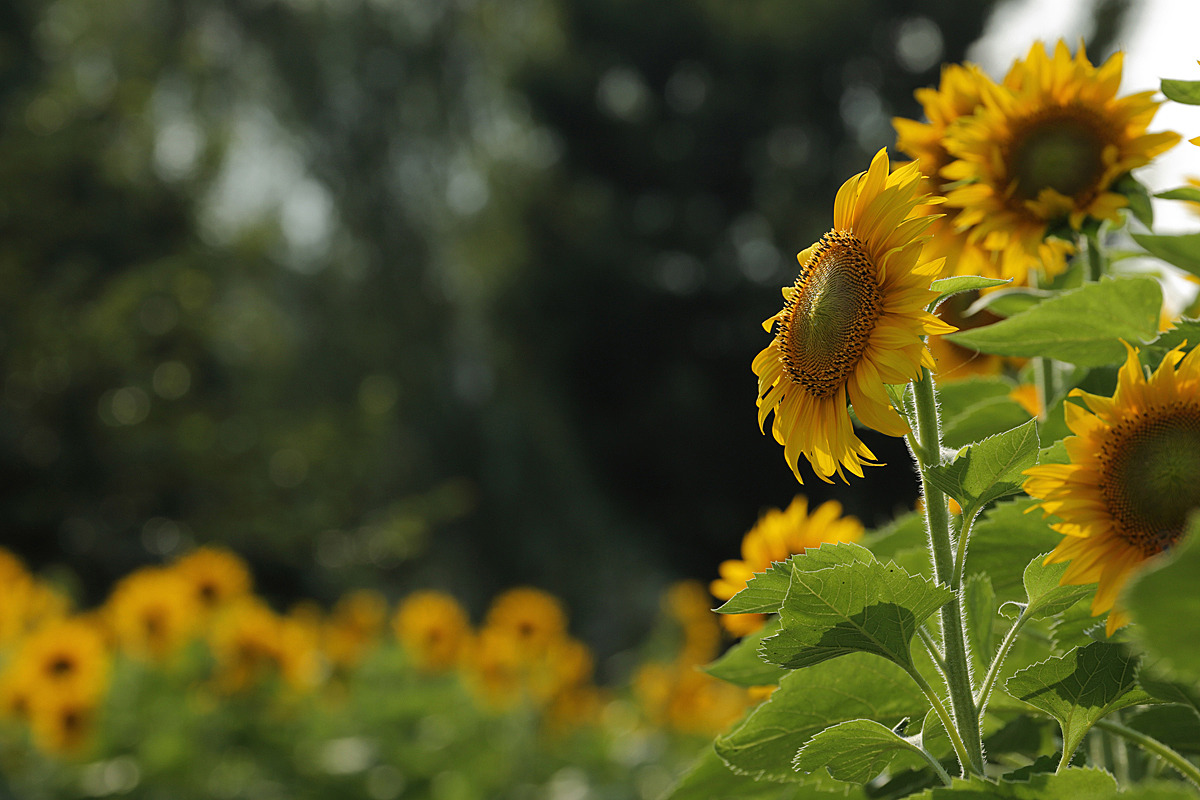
1057,148
829,319
1151,475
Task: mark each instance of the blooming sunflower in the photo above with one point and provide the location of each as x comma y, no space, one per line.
152,613
217,576
434,628
852,322
775,537
533,617
959,94
1133,476
1046,147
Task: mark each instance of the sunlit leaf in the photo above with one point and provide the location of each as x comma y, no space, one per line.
1182,250
988,470
857,750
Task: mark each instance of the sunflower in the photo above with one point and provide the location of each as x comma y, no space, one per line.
217,576
153,613
533,617
959,94
353,628
62,722
1046,147
68,655
852,322
1133,476
776,536
433,628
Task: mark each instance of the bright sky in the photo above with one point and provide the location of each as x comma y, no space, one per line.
1160,41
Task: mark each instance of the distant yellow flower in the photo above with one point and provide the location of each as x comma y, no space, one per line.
775,537
853,322
252,644
433,628
959,94
688,604
533,617
217,576
62,722
153,612
1045,147
353,627
683,698
26,603
1133,476
64,656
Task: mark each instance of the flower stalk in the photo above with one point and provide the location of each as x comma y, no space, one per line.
937,515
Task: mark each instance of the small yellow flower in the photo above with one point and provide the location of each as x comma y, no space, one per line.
433,628
252,644
217,576
63,722
153,613
775,537
1133,476
533,617
1047,146
853,322
353,627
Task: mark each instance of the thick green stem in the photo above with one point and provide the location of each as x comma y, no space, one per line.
1186,768
985,689
937,515
939,708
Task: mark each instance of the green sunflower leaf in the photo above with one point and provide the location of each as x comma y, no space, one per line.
976,408
1081,326
710,778
1175,726
1181,250
979,601
1163,600
865,607
764,592
948,287
1189,193
1138,197
988,470
1182,91
1070,784
859,749
1006,302
1044,596
1079,688
1004,540
809,701
741,664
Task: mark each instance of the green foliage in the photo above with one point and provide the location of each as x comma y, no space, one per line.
979,601
1190,194
741,664
1182,91
858,750
1045,596
988,470
766,591
855,606
1080,326
976,408
1079,688
1182,250
1004,541
807,701
1069,784
1163,600
711,779
948,287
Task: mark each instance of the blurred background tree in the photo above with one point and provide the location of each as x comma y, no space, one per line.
399,293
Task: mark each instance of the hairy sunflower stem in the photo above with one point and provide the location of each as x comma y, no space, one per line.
931,647
1185,768
937,516
985,689
939,708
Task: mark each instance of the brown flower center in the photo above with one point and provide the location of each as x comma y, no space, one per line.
1151,475
829,319
1057,148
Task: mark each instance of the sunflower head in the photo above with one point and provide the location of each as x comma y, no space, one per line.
1133,476
852,322
433,628
1047,147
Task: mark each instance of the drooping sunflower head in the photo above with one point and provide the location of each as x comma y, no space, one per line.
852,322
775,537
1046,147
1133,476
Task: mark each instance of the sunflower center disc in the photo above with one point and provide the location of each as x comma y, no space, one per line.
831,315
1060,151
1151,477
